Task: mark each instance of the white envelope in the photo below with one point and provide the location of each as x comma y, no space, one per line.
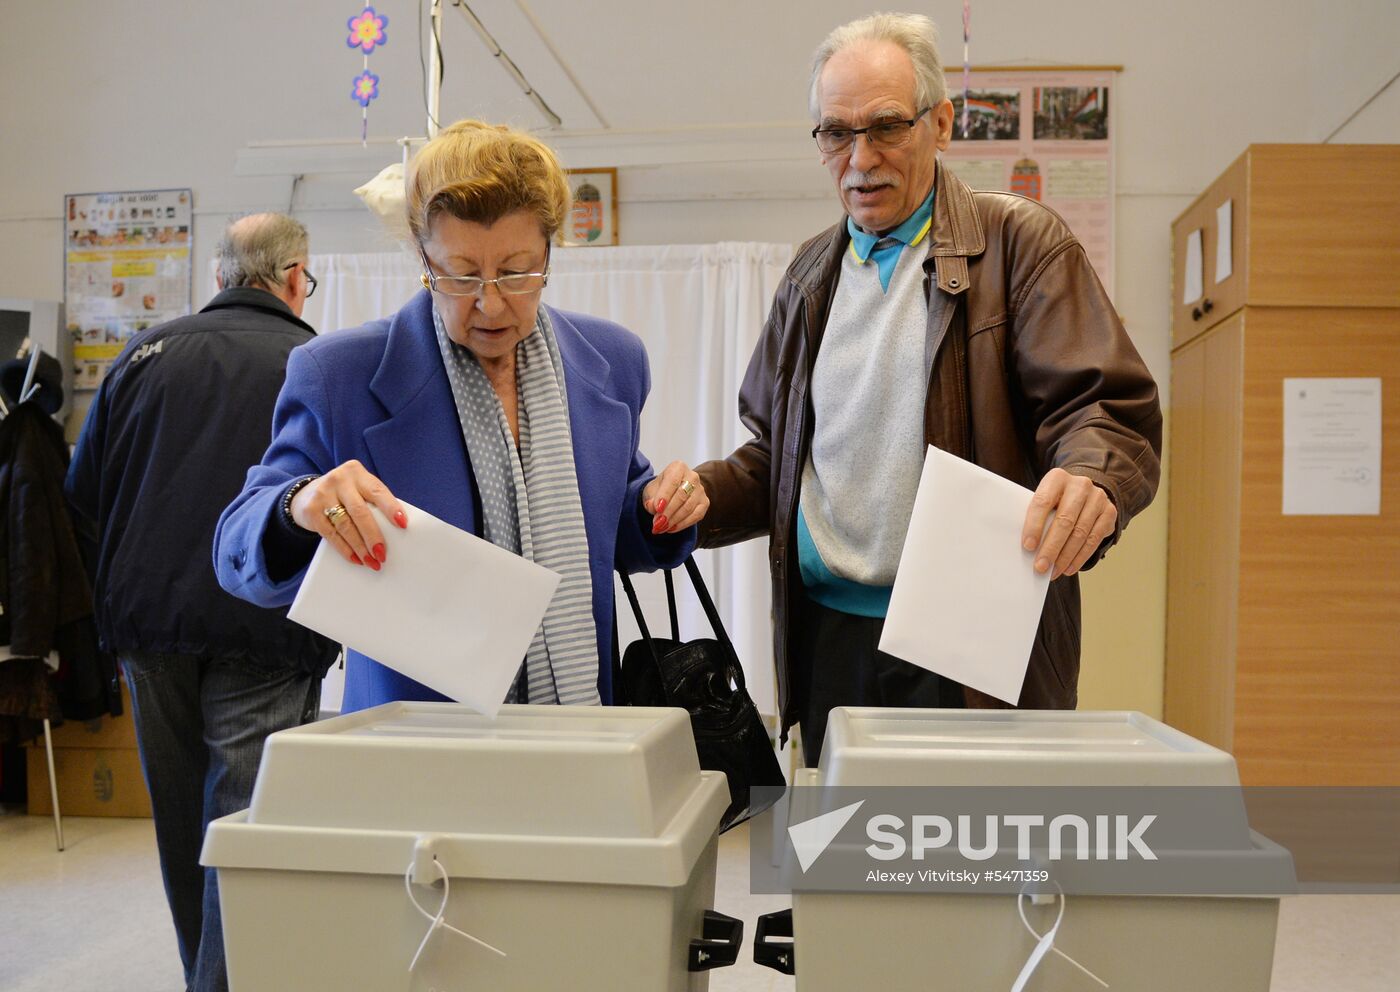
966,601
447,609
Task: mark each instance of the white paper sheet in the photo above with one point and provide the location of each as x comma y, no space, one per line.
447,609
1194,266
1224,241
966,601
1332,447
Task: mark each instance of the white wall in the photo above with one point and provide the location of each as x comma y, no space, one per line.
165,93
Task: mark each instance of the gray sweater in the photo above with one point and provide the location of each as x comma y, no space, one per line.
868,389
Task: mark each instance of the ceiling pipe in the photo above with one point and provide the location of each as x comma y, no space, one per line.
549,43
505,60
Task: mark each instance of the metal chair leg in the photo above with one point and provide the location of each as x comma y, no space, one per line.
53,787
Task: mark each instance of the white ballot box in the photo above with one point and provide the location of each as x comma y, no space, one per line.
883,932
419,846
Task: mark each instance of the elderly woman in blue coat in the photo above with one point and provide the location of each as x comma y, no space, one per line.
510,419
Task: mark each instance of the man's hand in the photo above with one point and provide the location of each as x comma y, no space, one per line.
1084,516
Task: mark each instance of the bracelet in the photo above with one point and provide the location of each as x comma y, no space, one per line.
290,494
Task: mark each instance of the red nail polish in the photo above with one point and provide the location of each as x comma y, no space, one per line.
660,505
372,564
400,519
355,558
661,523
378,550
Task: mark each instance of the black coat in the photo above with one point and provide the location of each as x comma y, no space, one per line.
44,591
181,415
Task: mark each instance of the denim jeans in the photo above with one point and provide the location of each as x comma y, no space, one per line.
200,727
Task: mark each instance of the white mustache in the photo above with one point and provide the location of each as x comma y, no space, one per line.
853,179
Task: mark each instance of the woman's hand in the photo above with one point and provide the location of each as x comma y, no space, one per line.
675,499
337,506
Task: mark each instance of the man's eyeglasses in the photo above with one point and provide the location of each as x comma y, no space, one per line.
515,284
885,134
310,279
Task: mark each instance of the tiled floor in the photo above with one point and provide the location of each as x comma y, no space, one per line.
94,918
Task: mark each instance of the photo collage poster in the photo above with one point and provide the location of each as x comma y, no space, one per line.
128,266
1047,135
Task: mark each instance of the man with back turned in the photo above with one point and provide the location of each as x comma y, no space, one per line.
180,416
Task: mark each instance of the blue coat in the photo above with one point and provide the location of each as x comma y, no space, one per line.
379,394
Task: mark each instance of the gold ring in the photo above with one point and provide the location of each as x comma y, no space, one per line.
336,514
687,486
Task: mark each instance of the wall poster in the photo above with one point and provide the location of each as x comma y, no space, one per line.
128,266
593,217
1044,133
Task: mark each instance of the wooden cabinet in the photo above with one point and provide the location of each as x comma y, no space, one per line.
1283,632
1311,225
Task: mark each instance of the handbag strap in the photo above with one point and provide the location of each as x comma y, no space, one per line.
717,625
642,626
671,606
706,603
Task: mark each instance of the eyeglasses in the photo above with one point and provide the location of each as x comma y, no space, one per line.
311,283
515,284
886,134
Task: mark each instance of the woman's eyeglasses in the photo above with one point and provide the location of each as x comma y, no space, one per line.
515,284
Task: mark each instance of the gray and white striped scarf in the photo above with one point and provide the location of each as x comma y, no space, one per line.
530,501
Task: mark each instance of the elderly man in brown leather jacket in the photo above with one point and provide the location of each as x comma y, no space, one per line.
931,314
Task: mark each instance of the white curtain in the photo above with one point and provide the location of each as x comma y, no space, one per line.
699,310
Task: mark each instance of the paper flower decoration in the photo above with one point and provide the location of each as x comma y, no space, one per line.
365,88
366,30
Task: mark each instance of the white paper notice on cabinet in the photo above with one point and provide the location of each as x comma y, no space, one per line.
1332,447
1224,237
1195,263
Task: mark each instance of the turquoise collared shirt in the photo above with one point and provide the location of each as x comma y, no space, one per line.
910,233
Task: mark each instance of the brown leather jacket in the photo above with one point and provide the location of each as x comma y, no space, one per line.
1032,370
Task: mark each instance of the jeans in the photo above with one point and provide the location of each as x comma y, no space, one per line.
200,727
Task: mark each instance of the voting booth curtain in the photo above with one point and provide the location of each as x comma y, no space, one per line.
699,310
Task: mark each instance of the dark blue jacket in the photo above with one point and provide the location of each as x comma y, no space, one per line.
182,413
379,394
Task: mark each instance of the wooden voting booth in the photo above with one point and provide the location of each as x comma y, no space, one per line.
1283,631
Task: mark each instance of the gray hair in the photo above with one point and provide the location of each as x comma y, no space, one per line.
914,33
256,249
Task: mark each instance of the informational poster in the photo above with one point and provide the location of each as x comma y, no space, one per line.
128,266
1332,447
1048,135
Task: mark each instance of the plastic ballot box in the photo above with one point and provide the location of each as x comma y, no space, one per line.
424,846
1024,800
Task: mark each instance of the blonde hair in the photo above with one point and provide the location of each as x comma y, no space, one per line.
480,172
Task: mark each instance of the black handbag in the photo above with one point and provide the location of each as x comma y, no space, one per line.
703,677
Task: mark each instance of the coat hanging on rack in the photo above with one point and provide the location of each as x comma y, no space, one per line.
45,594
